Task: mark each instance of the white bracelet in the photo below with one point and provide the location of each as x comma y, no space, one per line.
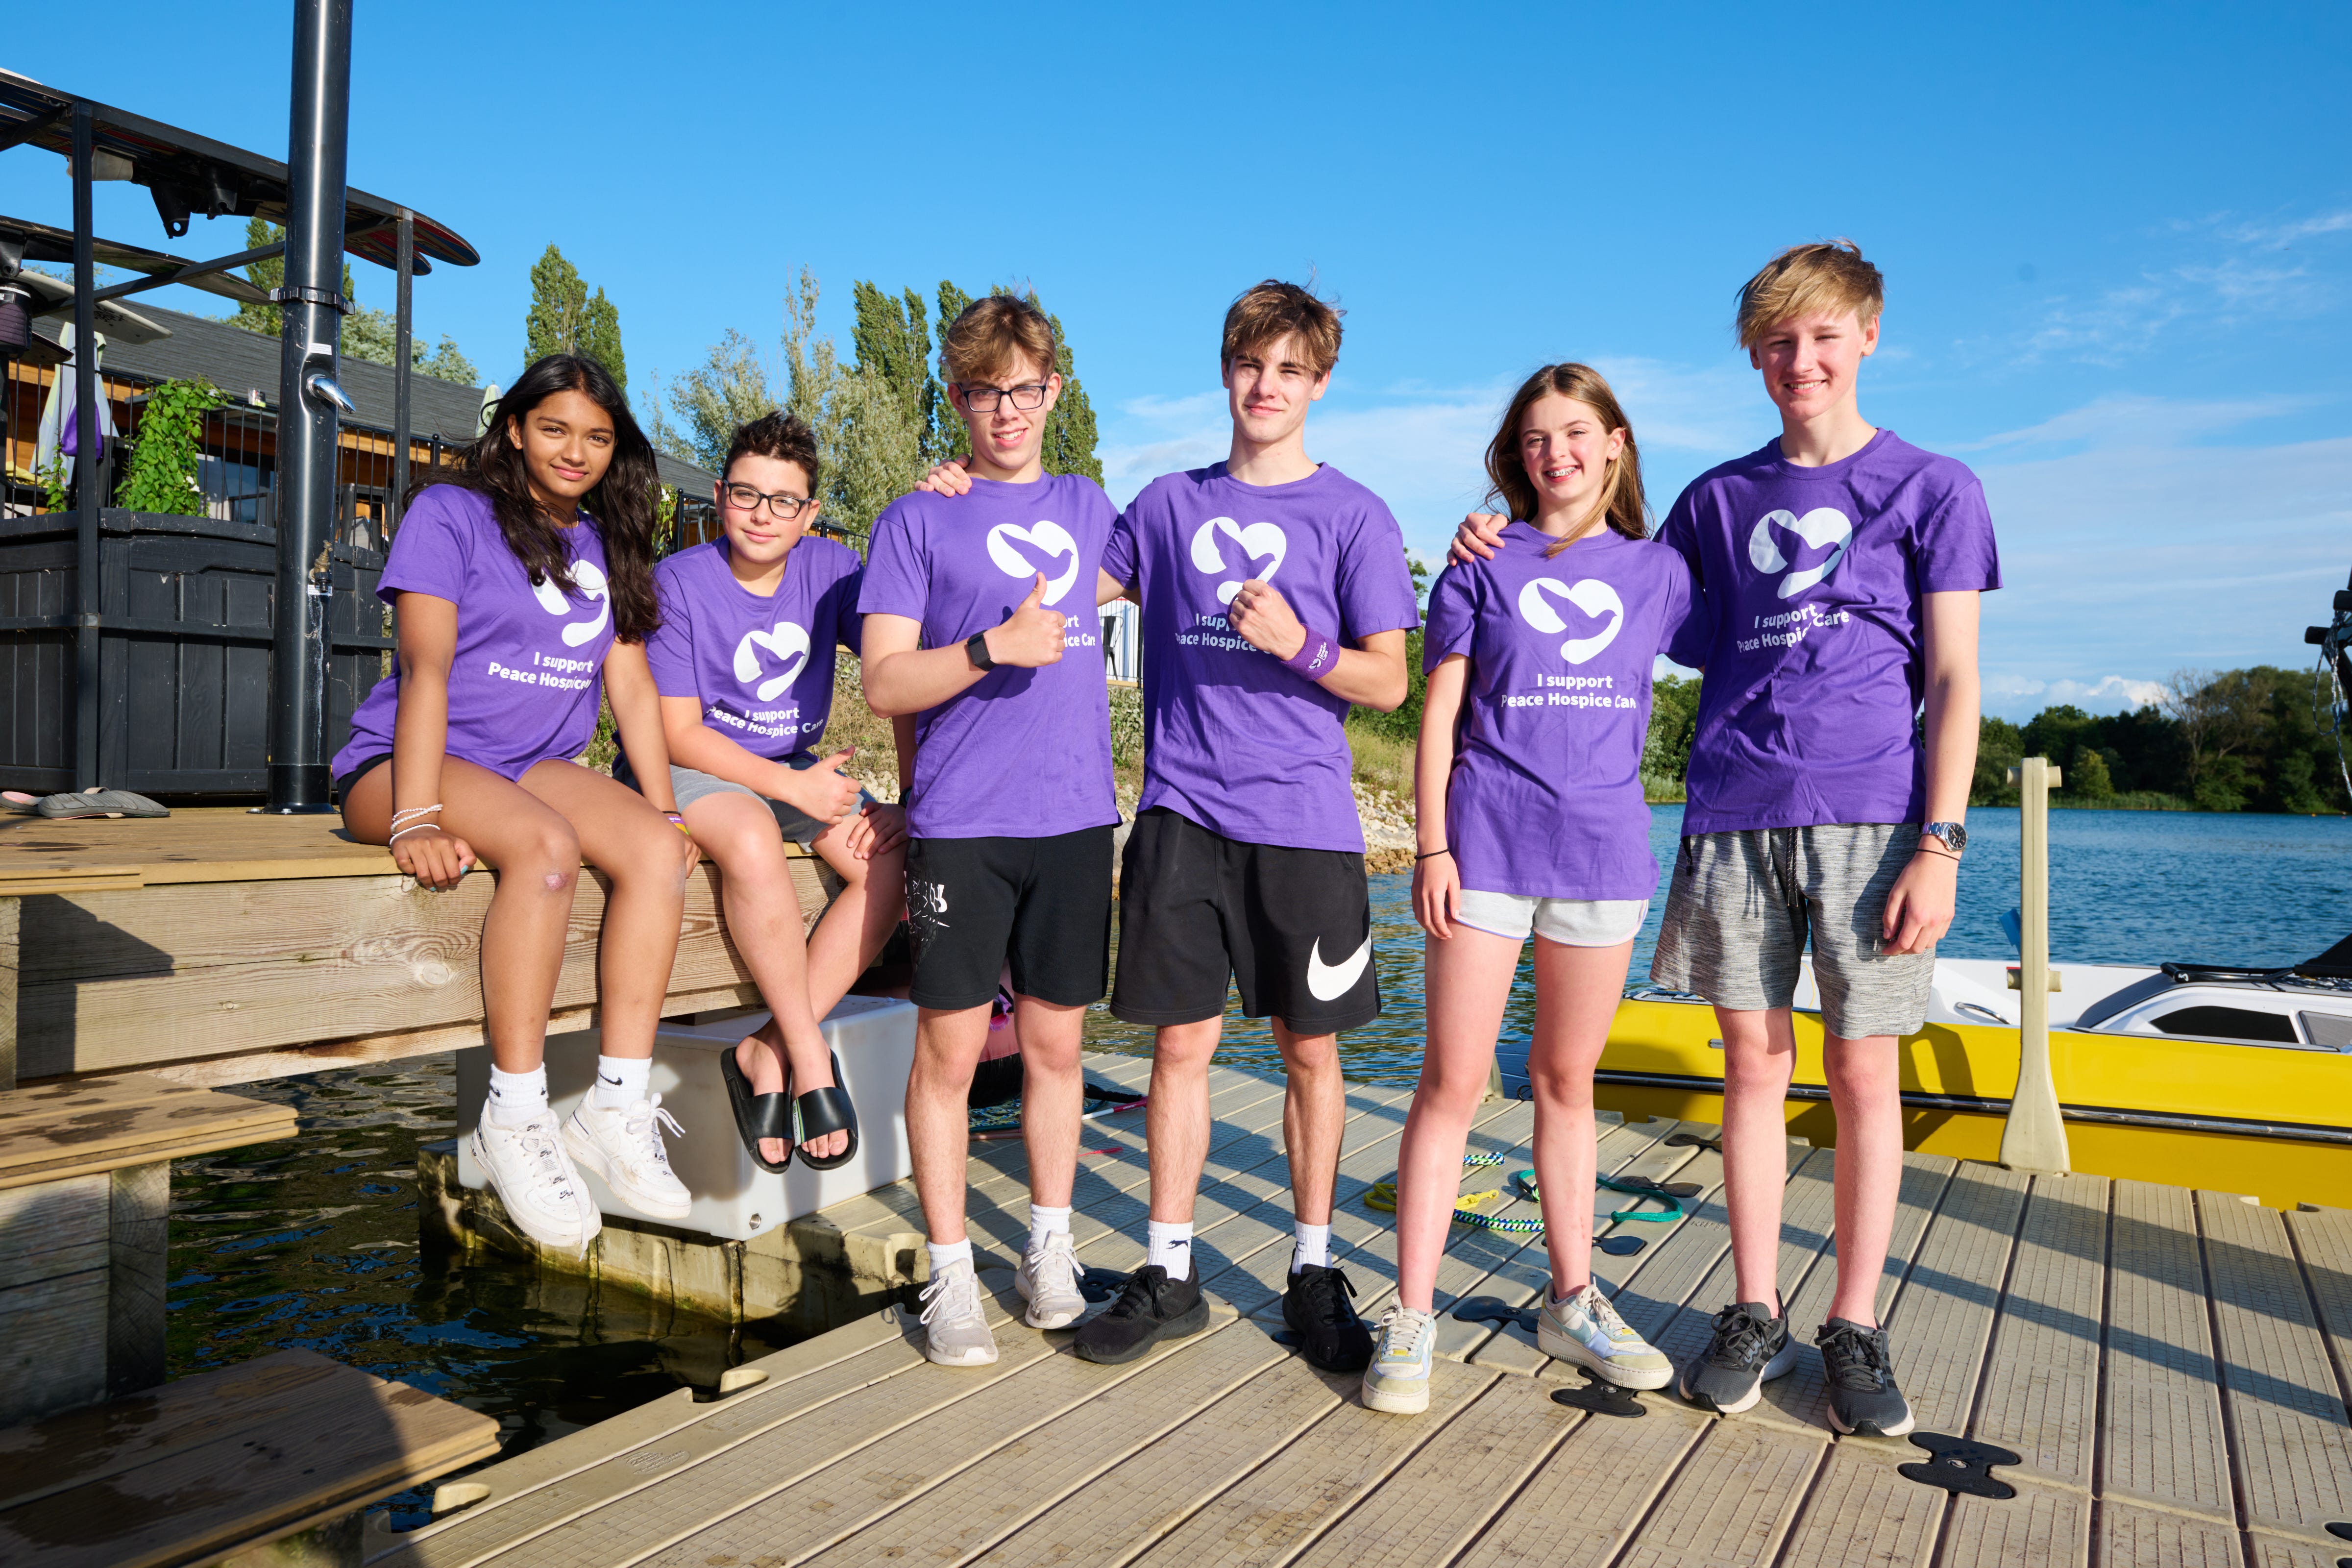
398,816
412,827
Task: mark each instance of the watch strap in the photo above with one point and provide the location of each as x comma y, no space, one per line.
975,648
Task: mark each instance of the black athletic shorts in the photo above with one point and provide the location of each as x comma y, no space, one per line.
1040,905
1292,927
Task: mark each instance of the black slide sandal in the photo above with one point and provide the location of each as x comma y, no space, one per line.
823,1110
757,1116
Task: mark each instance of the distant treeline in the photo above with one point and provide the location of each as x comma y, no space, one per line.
2237,740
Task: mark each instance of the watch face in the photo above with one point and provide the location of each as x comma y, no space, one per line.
1954,837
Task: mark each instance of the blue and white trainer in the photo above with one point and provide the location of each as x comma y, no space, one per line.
1586,1330
1397,1381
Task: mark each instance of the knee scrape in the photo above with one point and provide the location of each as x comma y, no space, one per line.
557,881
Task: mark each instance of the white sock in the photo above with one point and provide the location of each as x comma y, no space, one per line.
1312,1245
1045,1222
516,1097
622,1081
1169,1245
945,1255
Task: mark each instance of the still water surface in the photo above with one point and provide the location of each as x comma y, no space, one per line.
312,1243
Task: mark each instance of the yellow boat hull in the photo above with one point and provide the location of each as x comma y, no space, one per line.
2185,1112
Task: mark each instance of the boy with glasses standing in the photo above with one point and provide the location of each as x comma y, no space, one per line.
969,605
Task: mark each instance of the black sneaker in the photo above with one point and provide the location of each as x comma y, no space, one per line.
1316,1304
1151,1308
1862,1395
1748,1345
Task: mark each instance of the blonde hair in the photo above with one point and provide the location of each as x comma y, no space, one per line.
1621,502
1274,310
1826,275
991,334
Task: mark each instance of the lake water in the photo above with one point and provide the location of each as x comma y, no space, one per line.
312,1242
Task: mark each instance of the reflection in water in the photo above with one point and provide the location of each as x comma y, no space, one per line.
312,1244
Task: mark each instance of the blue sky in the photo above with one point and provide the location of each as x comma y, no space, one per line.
2118,240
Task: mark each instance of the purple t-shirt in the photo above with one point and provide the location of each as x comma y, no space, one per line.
1808,710
528,674
1233,738
1545,799
761,664
1020,753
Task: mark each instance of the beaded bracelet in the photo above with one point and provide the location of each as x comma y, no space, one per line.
412,827
400,816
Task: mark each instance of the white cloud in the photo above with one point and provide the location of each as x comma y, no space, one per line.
2019,696
2128,417
2279,237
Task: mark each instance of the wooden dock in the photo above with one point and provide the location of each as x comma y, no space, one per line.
218,946
2170,1364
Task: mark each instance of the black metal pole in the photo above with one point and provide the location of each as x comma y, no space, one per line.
311,305
87,500
403,334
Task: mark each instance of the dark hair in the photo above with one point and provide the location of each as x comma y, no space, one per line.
621,503
786,437
1622,502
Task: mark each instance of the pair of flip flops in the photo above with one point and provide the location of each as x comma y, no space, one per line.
78,804
793,1119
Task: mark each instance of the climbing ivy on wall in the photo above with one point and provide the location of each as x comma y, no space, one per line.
161,473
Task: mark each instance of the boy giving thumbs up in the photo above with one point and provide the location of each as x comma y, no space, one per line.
980,621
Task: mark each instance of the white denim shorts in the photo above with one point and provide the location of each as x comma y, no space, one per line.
1572,922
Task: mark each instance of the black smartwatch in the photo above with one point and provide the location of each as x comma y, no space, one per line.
975,648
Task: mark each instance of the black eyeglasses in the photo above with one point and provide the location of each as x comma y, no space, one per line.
745,499
983,399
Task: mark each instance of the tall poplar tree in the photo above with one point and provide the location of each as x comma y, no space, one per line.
564,319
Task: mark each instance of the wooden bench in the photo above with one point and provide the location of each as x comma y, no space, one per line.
85,1192
221,1465
219,946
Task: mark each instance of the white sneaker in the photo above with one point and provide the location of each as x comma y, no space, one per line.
624,1146
1047,1279
956,1333
1398,1379
533,1177
1586,1330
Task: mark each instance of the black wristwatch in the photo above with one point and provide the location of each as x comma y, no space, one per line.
1951,835
975,648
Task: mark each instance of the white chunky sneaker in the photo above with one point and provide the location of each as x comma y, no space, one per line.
1586,1329
533,1177
1047,1279
1398,1379
624,1146
956,1333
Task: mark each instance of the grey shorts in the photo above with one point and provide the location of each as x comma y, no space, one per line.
1743,904
1572,923
689,785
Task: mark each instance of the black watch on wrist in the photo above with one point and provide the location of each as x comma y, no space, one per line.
975,648
1951,835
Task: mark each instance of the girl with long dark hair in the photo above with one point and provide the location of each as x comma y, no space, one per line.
1531,821
525,589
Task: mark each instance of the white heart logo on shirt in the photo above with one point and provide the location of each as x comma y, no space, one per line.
1049,539
1822,526
1590,594
588,579
787,642
1259,541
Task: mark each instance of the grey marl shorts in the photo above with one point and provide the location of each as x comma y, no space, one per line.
1743,904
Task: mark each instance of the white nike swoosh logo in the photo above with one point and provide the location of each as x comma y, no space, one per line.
1329,981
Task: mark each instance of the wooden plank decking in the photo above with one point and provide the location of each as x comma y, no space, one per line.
2169,1364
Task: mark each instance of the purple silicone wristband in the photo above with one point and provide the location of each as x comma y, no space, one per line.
1316,658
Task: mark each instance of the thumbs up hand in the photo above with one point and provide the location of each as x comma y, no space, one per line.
1032,635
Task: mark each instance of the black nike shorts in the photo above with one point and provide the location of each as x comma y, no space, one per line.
1040,906
1292,927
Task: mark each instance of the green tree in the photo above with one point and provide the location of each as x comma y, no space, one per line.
731,388
1999,747
2086,775
1674,719
893,342
564,319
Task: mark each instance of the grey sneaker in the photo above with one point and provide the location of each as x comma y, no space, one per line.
1397,1381
1585,1329
955,1330
1747,1346
1047,1279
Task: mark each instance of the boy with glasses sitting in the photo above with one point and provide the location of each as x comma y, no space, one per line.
743,660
